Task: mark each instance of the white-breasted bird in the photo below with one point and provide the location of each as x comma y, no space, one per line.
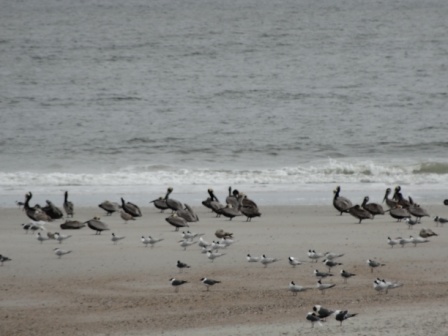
297,288
417,240
313,318
267,260
252,259
313,255
294,262
59,252
176,283
209,282
115,238
41,238
373,264
213,255
60,237
187,242
323,286
346,275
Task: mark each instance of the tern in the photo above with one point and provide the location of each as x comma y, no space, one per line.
115,238
209,282
346,275
296,288
203,243
332,255
417,240
176,283
313,318
321,275
213,255
34,226
3,259
330,264
180,265
322,312
404,241
41,238
152,241
60,252
440,220
252,259
383,285
373,264
186,242
226,241
191,235
217,245
323,286
294,262
410,222
60,238
342,315
265,260
312,254
393,242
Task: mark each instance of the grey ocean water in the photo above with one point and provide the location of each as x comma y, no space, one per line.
283,99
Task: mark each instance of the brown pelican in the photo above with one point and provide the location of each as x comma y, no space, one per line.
246,202
72,225
97,225
209,199
416,210
126,217
425,233
373,208
220,233
360,213
341,203
230,212
233,199
177,221
188,214
250,212
445,202
35,213
215,205
68,206
398,197
389,202
399,213
172,203
131,208
160,204
109,207
52,210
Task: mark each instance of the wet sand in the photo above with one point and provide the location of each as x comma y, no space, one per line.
124,289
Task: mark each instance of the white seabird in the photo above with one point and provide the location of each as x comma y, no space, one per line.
296,288
383,285
332,255
176,283
417,240
41,238
265,260
346,275
410,222
191,235
115,238
252,259
312,254
393,242
187,242
59,252
330,264
59,237
213,255
313,318
209,282
323,286
342,315
322,312
322,275
294,262
373,264
203,243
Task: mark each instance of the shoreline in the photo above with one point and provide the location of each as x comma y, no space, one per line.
123,289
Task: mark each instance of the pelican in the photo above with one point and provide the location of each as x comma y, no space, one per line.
359,213
97,225
52,210
417,211
126,217
131,208
109,207
160,204
373,208
233,198
35,213
177,221
72,225
341,203
389,202
172,203
398,196
68,206
399,213
188,214
230,212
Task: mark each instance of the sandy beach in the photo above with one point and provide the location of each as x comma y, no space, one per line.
106,289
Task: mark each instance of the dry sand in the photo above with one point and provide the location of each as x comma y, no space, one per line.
106,289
